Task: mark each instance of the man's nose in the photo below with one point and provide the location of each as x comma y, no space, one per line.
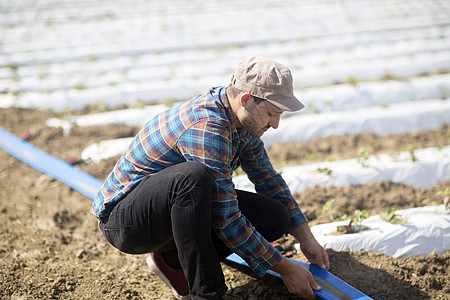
275,121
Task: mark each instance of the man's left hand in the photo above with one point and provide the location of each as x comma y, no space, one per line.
313,251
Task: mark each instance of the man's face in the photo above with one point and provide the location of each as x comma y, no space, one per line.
260,117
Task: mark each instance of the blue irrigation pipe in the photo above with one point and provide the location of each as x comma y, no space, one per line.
328,277
50,165
89,186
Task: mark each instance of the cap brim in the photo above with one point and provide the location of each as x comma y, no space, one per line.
291,104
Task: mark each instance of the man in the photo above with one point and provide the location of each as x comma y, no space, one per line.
171,193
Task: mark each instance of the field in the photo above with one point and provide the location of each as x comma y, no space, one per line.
374,76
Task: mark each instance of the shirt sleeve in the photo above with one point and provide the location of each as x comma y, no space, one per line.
210,143
256,164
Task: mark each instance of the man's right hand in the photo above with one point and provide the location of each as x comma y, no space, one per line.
297,279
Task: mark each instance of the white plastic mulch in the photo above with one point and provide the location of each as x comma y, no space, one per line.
393,119
432,166
381,120
427,230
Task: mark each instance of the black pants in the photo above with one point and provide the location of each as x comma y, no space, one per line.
170,212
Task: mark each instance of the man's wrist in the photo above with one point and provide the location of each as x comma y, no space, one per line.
281,266
302,232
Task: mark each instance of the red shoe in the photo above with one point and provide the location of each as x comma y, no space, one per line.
174,278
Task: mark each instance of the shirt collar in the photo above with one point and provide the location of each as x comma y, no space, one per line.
226,103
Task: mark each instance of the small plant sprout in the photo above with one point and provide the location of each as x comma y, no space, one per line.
285,164
169,102
365,153
328,206
313,155
99,106
325,171
141,103
391,217
353,80
79,86
355,224
446,194
412,156
444,94
314,108
428,202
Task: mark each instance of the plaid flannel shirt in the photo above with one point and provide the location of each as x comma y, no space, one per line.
200,130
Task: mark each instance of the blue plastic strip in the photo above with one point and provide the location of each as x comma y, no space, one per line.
89,186
323,293
319,273
50,165
334,281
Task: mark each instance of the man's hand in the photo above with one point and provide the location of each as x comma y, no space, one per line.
297,279
313,251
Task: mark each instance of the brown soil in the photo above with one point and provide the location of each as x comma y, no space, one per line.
50,247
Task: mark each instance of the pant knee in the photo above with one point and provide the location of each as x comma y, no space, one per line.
193,183
198,173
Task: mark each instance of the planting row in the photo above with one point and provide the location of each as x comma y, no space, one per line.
381,120
149,52
364,62
415,231
189,17
420,168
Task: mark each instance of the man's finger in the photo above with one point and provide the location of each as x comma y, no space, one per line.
326,260
314,285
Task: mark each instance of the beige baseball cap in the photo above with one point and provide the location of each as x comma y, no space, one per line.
265,78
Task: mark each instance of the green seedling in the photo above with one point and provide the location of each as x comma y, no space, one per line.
328,206
169,102
79,86
285,164
65,114
365,153
342,217
141,103
353,80
428,202
12,67
446,194
314,108
391,217
444,94
99,106
325,170
355,224
313,155
412,156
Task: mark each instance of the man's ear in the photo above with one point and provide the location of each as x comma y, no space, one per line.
245,99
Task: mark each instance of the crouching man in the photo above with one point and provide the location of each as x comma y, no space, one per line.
171,193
